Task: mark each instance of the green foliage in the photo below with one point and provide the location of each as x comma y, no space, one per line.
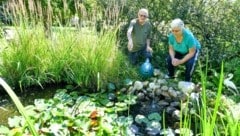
24,60
215,23
69,114
76,58
21,109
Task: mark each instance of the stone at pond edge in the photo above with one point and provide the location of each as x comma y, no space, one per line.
134,129
112,97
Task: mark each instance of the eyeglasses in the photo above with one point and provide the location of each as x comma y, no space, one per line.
175,31
143,16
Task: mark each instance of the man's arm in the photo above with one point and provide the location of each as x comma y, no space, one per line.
148,46
129,36
129,32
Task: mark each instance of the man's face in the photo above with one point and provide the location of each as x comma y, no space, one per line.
142,16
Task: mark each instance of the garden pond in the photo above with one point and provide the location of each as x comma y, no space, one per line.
150,107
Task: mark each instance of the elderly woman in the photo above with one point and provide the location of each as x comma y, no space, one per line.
183,49
139,34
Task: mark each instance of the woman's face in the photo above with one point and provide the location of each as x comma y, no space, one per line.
142,16
177,31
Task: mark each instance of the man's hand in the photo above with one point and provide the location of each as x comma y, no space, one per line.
130,45
149,49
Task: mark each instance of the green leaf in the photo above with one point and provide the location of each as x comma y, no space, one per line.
141,119
41,104
154,124
121,104
4,130
15,121
154,116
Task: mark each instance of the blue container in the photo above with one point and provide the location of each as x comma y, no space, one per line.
146,69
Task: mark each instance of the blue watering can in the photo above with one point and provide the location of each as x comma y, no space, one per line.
146,69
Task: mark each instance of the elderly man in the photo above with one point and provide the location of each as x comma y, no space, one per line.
139,34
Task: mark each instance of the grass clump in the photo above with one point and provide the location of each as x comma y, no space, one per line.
73,56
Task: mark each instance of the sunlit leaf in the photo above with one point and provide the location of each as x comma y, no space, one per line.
4,130
141,119
15,121
154,116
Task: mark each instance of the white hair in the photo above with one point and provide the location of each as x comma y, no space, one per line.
177,23
143,10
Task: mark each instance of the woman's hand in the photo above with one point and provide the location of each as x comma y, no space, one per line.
176,62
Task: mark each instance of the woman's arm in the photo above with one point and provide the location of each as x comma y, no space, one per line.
171,52
190,54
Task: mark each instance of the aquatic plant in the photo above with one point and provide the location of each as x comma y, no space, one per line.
21,109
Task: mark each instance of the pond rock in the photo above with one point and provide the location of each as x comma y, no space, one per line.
175,104
134,129
170,110
138,85
161,81
158,92
140,96
164,88
112,97
176,114
167,132
172,93
184,131
163,103
156,72
186,87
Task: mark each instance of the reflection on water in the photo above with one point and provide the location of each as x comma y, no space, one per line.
8,109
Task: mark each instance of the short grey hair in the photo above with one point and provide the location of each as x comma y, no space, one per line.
177,23
143,10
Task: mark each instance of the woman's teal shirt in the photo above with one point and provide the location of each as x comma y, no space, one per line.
188,41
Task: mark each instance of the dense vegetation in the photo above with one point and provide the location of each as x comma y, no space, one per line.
215,23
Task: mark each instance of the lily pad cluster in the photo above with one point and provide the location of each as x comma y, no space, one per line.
67,114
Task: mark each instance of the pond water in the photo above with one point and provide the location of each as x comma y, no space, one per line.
8,109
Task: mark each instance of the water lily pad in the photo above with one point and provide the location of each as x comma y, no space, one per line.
121,104
16,121
131,101
4,130
31,111
121,109
154,116
109,110
41,104
106,102
124,121
141,119
154,124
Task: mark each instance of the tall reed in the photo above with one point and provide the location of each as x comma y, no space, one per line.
25,59
20,107
208,122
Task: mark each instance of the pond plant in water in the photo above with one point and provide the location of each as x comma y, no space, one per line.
68,113
112,112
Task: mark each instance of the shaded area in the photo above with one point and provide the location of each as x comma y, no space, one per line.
8,109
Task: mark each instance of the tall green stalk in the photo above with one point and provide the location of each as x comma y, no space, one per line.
217,103
207,118
19,106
